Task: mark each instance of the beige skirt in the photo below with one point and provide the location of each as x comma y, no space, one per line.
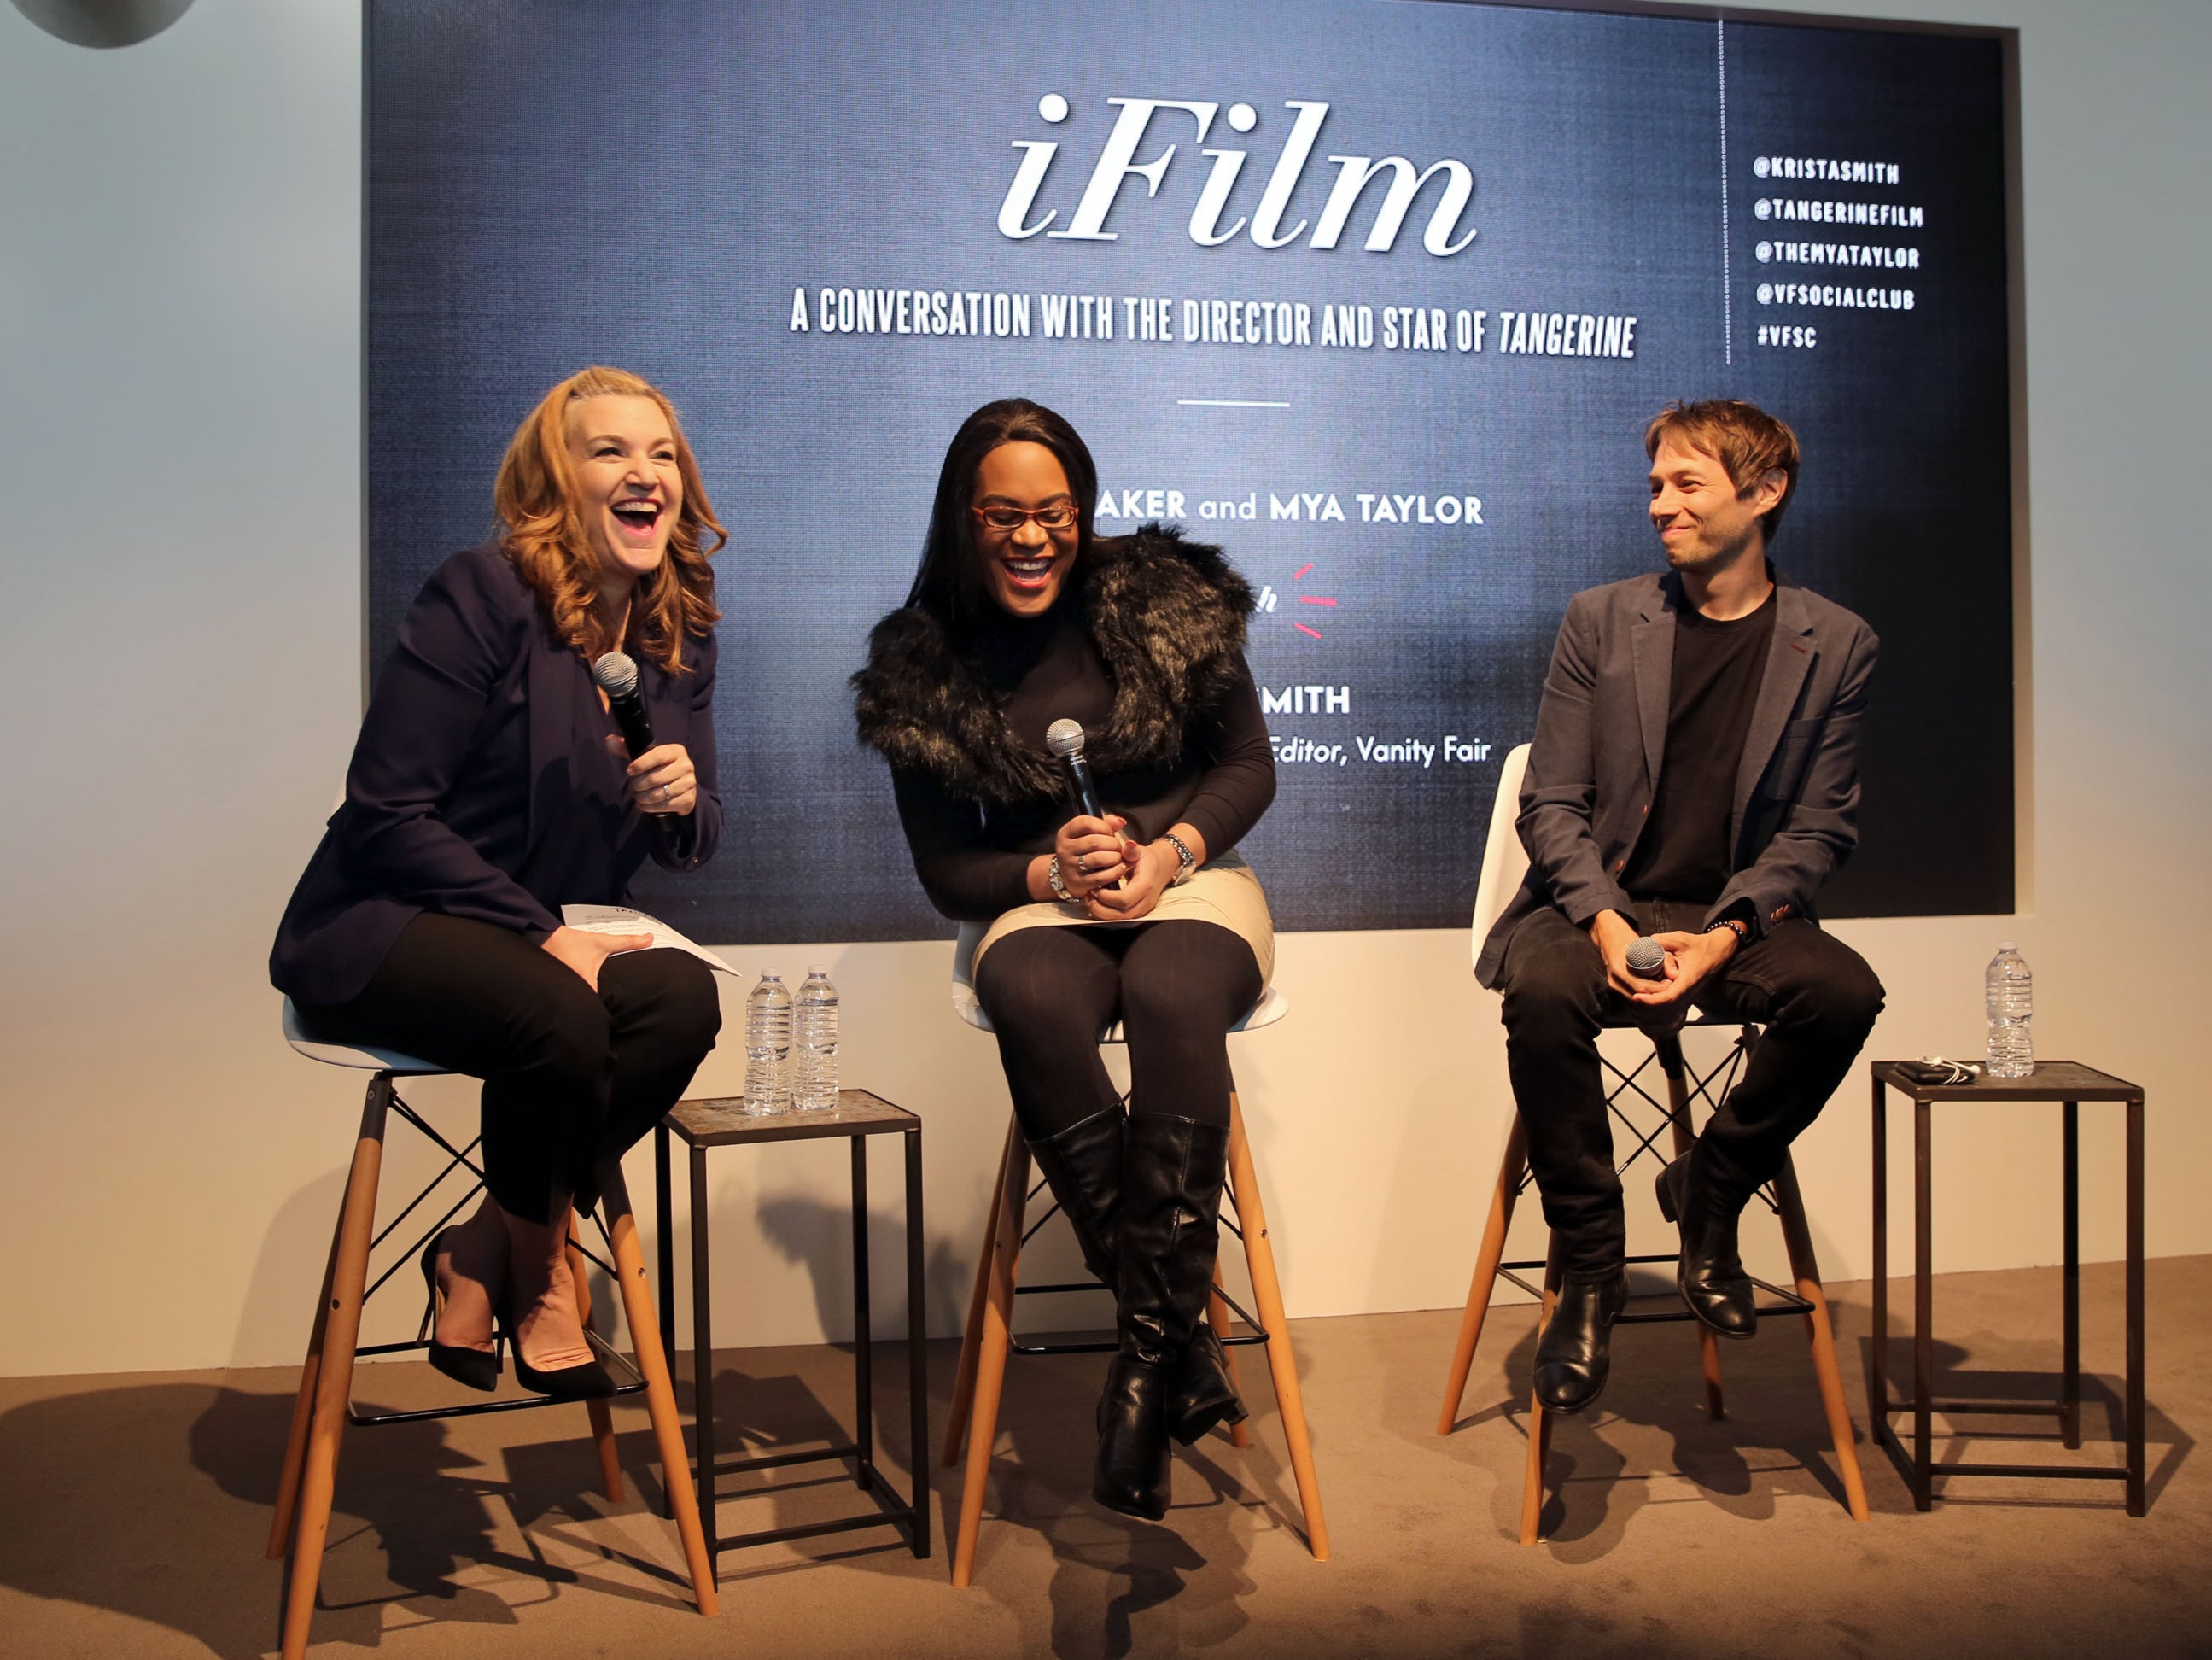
1222,891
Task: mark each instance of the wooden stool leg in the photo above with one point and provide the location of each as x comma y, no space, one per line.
1685,1137
303,1404
340,1324
603,1420
1822,1332
1709,1363
1539,1421
1268,1292
1217,1315
659,1394
1509,1171
963,1381
1000,1256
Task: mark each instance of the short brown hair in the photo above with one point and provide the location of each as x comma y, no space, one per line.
542,531
1743,437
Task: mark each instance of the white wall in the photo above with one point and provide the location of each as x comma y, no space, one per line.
179,384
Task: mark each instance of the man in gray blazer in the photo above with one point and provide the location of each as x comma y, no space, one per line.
1694,778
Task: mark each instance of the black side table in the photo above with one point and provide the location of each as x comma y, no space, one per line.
720,1123
2067,1083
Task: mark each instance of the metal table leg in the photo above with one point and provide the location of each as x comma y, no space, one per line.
864,1337
2135,1494
1923,1309
1878,1370
2069,1399
917,1322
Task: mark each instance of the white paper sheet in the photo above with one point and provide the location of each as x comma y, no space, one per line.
620,919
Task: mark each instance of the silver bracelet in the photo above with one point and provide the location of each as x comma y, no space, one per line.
1051,880
1182,852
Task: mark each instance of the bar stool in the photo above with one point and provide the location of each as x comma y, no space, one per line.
989,1336
324,1406
1505,863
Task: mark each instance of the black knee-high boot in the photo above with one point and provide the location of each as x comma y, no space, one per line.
1082,1164
1172,1170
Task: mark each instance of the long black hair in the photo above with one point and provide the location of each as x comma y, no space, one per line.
949,583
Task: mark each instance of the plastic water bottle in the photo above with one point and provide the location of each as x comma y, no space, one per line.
814,1044
2009,988
768,1048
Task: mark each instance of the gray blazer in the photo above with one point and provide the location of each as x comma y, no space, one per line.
1602,733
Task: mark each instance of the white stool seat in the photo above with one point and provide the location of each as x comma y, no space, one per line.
1271,1006
346,1054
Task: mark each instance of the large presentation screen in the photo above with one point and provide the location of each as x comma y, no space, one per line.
1379,295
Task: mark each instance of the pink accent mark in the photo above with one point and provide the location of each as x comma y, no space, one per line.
1302,629
1314,599
1299,574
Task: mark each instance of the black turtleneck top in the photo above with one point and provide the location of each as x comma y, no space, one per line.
974,861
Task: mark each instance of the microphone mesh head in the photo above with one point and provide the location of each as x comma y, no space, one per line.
1064,738
616,673
1645,959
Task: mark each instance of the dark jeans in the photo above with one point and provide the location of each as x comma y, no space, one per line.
1815,996
571,1077
1177,986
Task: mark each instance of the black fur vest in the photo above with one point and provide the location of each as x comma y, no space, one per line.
1168,618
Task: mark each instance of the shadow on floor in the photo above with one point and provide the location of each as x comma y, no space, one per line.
1650,1435
413,1513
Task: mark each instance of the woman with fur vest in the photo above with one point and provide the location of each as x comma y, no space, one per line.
1020,616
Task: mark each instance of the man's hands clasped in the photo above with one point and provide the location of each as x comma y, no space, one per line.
1691,959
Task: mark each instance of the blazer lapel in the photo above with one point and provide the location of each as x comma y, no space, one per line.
1652,642
1789,660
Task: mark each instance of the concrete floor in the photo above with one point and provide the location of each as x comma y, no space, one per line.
137,1507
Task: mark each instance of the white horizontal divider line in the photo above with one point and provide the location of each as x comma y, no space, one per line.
1232,402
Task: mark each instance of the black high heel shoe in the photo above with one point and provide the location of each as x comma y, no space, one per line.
583,1382
472,1367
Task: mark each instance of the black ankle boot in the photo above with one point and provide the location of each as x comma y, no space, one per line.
1575,1352
1172,1170
1709,1273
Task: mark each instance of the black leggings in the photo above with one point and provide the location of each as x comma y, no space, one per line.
1177,985
571,1078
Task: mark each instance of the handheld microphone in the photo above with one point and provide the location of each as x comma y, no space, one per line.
616,675
1064,738
1646,961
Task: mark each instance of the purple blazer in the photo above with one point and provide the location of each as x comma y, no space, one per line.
487,782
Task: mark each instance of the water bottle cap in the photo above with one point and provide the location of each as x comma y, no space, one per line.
817,968
771,974
2007,945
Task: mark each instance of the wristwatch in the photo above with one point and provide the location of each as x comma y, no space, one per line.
1183,852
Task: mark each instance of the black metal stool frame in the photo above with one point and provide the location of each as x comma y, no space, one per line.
618,1364
1666,1053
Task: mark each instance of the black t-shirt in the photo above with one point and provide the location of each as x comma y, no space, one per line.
1684,853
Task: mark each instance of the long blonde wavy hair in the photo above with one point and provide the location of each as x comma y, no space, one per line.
542,531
